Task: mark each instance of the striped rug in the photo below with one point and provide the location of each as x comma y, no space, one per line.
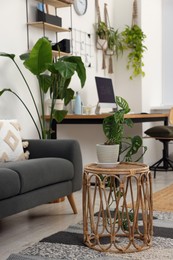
68,245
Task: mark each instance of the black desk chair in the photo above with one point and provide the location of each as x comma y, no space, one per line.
163,134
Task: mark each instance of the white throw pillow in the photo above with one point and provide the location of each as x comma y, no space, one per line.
11,146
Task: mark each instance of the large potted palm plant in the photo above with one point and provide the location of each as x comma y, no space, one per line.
53,76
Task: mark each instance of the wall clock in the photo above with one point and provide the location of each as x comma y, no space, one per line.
80,6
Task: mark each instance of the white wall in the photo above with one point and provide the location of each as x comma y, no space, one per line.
141,93
14,40
151,22
167,52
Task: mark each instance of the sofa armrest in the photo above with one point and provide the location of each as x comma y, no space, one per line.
66,149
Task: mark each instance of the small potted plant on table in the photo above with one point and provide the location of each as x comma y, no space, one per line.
113,128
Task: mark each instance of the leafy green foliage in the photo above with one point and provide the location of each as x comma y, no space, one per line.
59,115
133,40
39,57
61,74
131,147
52,76
126,217
113,128
113,125
102,30
7,55
115,41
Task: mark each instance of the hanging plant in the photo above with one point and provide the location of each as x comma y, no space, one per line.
102,30
133,40
115,42
102,35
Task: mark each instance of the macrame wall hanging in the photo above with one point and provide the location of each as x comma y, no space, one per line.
103,31
109,52
135,13
102,34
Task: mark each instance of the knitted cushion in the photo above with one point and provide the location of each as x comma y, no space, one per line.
11,146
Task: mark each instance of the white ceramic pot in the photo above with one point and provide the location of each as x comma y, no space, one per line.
59,104
102,44
107,153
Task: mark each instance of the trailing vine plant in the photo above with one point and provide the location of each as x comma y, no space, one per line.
133,40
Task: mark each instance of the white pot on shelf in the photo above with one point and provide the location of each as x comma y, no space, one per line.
59,105
107,153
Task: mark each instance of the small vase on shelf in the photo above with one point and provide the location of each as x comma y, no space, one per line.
78,104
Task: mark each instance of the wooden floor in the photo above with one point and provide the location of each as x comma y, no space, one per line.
22,230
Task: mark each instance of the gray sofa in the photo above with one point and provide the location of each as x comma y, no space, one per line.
54,170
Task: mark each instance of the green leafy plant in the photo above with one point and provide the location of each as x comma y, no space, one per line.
52,76
130,146
113,125
102,30
133,40
115,41
113,128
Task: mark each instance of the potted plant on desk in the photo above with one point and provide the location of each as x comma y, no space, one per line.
113,128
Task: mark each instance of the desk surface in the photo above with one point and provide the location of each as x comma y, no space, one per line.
102,116
98,119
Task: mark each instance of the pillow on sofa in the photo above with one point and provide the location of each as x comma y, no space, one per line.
11,146
160,131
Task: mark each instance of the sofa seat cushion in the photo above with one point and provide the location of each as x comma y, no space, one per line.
9,183
37,173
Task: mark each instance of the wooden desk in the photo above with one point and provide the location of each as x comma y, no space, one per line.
98,119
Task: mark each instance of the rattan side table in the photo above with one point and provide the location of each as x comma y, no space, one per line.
117,207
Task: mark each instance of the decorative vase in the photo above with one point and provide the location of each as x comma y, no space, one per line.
107,153
78,105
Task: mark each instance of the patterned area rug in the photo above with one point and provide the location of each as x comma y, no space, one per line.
69,245
162,200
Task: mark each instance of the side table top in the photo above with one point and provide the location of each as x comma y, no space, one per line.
121,168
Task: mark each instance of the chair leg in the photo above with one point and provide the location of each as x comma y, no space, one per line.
72,203
167,164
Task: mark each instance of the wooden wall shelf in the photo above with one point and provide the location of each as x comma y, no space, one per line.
56,3
57,53
49,27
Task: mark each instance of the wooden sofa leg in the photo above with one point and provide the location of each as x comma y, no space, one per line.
72,203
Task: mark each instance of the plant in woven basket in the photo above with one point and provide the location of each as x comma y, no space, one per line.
133,40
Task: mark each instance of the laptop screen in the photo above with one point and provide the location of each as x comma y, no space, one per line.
105,92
